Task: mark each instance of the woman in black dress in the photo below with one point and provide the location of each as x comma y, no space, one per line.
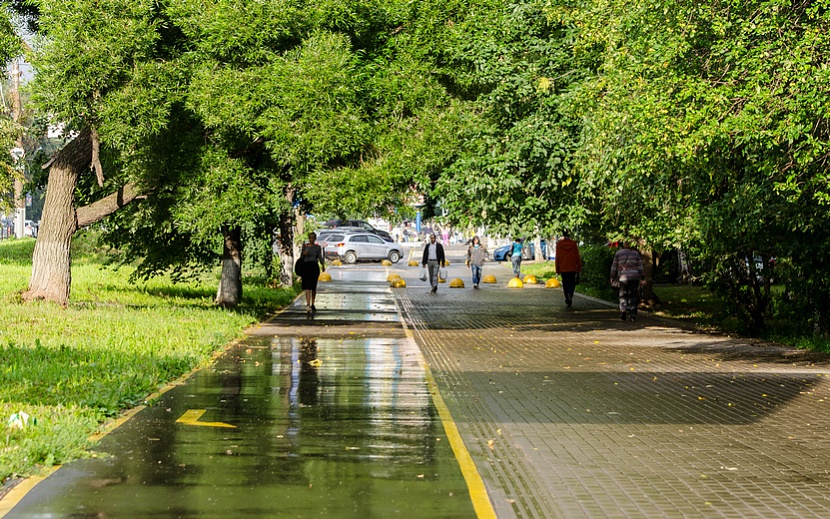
313,263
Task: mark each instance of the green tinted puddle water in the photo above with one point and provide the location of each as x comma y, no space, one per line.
322,428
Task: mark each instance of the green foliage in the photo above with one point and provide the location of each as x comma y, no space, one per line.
596,265
256,108
513,171
701,127
98,59
10,42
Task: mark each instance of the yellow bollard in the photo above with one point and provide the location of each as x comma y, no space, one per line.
324,276
489,278
413,263
398,283
456,283
530,279
515,283
392,277
553,283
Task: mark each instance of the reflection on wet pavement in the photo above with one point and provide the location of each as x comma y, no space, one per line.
323,426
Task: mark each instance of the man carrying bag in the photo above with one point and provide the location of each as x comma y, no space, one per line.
433,259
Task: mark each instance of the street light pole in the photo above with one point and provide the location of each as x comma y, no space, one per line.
19,198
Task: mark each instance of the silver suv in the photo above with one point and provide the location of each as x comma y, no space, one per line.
356,247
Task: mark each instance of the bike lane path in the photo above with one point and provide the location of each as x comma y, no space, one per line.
329,416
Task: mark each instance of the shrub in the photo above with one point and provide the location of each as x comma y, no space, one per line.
596,265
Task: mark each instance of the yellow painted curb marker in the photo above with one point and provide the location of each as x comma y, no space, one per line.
191,417
18,492
475,485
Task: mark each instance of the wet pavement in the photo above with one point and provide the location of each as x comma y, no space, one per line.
566,413
323,417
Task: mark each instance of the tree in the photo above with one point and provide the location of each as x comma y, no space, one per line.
11,47
512,171
96,65
702,126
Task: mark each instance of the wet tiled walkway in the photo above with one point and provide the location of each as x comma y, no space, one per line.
574,414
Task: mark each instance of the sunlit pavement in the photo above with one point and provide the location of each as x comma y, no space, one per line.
571,413
567,413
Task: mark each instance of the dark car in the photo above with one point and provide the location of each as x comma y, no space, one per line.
361,224
504,253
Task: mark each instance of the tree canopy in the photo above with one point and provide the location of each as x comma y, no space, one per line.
673,123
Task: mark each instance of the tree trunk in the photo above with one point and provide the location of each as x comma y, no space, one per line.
269,254
51,263
230,284
649,297
299,229
286,250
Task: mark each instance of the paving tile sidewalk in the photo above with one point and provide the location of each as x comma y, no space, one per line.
572,413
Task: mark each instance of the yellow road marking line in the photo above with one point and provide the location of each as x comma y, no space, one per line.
17,493
475,485
191,417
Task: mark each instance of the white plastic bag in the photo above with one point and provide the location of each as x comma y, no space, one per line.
423,275
442,273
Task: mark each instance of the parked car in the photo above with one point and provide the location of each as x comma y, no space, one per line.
359,224
504,253
356,247
30,229
328,240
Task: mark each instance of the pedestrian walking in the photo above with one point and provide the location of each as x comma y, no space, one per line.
568,265
476,255
433,259
516,257
627,273
313,262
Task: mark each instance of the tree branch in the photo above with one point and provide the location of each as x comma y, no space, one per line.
96,159
104,207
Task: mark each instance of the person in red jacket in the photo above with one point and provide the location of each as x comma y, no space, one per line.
568,265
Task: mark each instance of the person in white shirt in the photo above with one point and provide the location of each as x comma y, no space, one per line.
433,259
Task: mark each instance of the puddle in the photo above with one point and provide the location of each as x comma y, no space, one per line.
291,427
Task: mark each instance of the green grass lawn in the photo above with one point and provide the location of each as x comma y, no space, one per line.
117,342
